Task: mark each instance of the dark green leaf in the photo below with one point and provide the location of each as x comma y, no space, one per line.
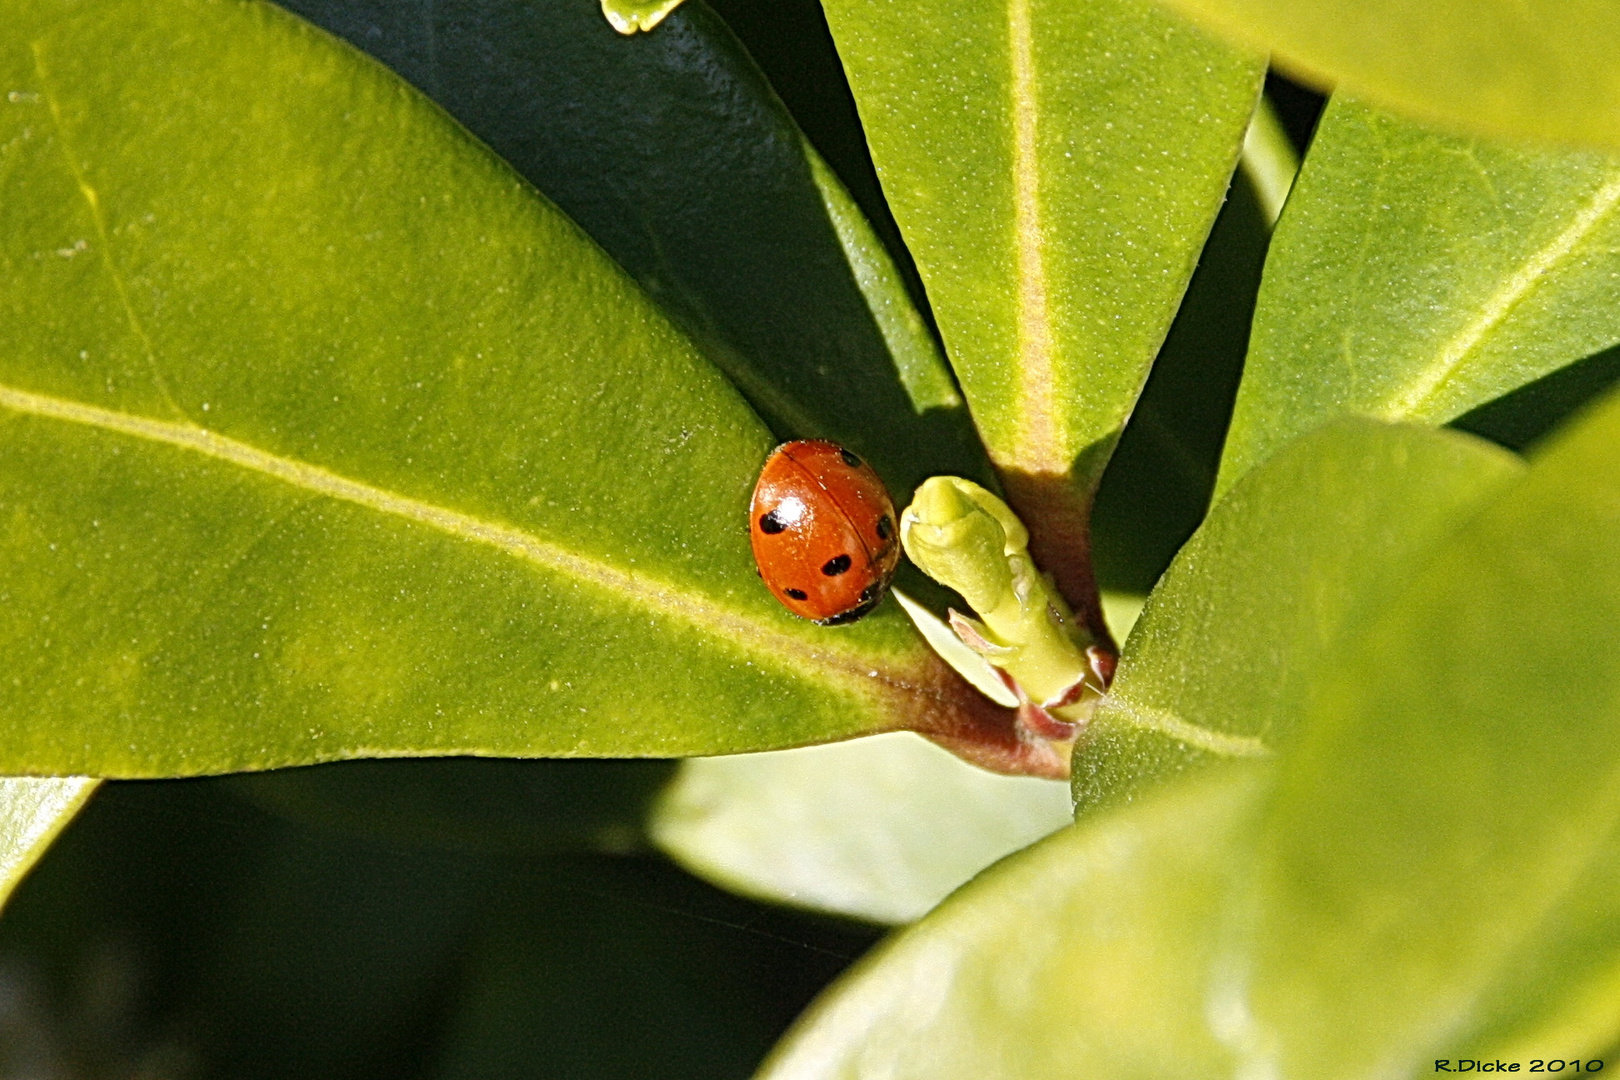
598,971
470,803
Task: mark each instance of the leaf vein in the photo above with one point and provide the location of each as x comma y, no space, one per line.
1421,393
103,234
1168,723
747,634
1037,448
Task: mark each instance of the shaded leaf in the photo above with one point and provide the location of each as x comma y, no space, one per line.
596,970
1233,639
1445,834
325,437
1054,168
470,803
790,41
32,812
176,931
881,828
1541,69
674,153
1082,956
1416,276
1159,479
1521,418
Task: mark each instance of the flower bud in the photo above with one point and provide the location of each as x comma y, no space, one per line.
954,539
966,538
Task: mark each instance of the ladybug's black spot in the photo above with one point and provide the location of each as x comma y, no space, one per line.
770,523
797,594
850,459
836,565
885,527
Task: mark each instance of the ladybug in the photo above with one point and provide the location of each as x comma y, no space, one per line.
824,532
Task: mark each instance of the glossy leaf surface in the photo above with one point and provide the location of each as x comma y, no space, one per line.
32,812
1416,275
1231,642
1446,831
1082,956
1049,188
880,828
325,436
1541,69
674,153
1055,168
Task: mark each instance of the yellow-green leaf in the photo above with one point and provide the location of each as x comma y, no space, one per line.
1416,275
1055,167
1437,874
673,152
1527,69
880,828
1085,955
323,435
32,812
1232,640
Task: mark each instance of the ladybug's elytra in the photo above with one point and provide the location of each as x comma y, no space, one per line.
824,532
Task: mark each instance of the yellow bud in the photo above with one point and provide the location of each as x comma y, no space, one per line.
1016,536
957,541
964,537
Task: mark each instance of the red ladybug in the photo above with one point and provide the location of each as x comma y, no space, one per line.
824,532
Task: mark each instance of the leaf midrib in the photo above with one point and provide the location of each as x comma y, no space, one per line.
746,634
1037,447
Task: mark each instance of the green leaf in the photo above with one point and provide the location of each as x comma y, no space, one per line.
675,154
1542,69
1415,276
32,812
1448,829
208,933
1055,168
1233,639
1082,956
324,436
1269,159
1528,414
881,828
